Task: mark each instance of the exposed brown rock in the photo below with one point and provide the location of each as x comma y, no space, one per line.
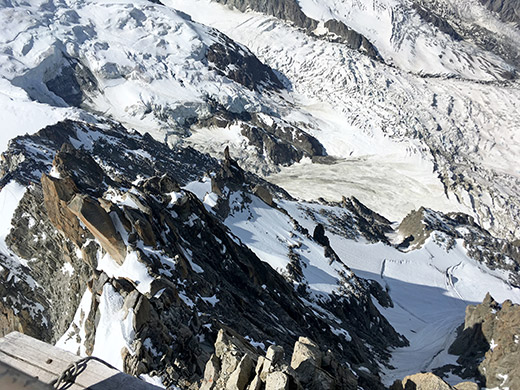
264,194
491,331
99,223
422,381
466,386
306,358
57,193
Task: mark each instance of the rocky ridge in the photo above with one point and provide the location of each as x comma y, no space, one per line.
494,253
289,10
97,218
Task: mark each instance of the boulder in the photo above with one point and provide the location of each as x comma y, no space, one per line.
99,223
277,381
423,381
466,386
264,194
240,377
56,194
211,373
306,359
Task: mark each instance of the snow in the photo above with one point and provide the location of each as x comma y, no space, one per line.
10,197
187,300
213,300
341,332
270,234
202,189
67,269
389,185
430,288
155,380
148,61
131,269
404,39
22,116
114,331
127,199
69,341
363,111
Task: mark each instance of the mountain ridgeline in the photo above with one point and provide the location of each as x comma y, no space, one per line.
265,195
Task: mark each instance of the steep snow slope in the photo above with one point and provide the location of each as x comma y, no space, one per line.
355,107
21,115
430,286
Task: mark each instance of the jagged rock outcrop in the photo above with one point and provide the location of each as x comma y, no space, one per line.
488,344
240,65
237,366
351,38
289,10
442,24
276,142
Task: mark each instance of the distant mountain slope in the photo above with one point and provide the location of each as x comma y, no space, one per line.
457,138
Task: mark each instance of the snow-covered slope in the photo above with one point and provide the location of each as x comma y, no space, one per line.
430,288
153,69
404,39
137,62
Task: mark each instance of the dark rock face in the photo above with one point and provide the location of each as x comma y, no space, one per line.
203,280
290,10
488,344
183,165
442,24
356,221
351,38
286,9
240,65
508,10
73,83
34,237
